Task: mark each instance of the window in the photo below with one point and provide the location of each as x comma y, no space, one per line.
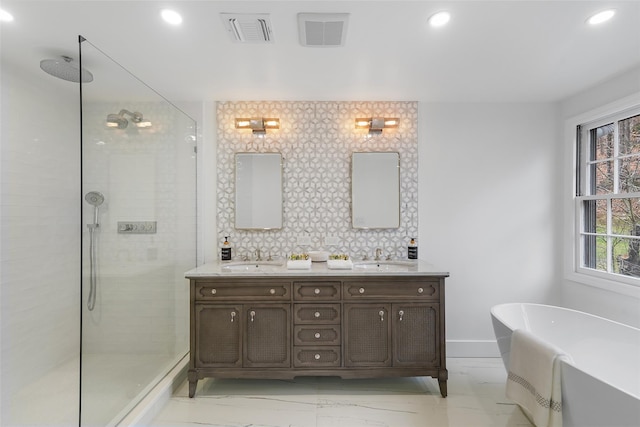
608,197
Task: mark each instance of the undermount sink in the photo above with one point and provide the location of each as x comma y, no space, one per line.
387,265
248,266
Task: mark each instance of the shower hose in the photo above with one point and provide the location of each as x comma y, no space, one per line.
93,277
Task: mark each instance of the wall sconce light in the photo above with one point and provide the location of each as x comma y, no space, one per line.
120,122
376,124
258,125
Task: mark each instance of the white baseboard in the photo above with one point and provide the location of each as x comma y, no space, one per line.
144,413
472,348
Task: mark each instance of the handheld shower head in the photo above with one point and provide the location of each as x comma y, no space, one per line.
94,198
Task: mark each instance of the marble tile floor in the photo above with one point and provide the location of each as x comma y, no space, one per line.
476,399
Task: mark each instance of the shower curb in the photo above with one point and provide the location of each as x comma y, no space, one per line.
149,407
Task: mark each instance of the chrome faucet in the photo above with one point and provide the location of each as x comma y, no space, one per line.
378,254
258,256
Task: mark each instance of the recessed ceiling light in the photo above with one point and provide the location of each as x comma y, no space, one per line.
171,16
601,17
439,19
5,16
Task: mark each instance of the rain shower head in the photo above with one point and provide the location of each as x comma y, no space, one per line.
120,122
94,198
65,68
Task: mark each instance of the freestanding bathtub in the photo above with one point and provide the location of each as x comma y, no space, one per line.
601,388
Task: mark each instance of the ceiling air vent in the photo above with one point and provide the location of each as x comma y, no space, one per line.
322,29
248,27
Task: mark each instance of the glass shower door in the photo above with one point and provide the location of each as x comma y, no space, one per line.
139,237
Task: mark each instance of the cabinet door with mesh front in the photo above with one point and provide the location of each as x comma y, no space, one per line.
367,334
267,338
218,335
416,335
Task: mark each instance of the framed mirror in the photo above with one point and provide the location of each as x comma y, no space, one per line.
258,191
375,190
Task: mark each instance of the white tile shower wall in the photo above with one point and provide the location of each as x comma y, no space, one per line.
316,140
145,175
40,185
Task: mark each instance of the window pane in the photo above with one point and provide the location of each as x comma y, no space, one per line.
595,216
629,130
629,145
629,174
602,142
595,252
625,216
625,257
602,178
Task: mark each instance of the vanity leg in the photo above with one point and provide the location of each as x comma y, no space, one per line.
193,382
443,387
443,376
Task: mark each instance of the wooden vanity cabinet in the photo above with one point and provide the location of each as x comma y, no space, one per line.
352,327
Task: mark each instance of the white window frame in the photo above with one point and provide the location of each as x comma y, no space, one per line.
573,218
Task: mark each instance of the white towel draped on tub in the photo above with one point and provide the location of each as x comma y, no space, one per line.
534,378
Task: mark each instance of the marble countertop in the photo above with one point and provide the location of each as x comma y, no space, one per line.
279,268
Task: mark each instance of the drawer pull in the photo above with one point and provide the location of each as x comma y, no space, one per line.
316,291
381,314
272,291
317,356
233,316
401,313
316,314
361,290
252,314
420,290
214,291
317,335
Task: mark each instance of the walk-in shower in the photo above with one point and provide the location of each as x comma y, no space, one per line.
95,199
134,294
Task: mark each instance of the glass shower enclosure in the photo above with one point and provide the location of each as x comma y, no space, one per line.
138,237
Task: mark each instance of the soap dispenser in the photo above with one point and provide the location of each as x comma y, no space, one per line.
412,249
225,252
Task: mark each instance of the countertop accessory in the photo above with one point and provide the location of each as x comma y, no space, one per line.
319,256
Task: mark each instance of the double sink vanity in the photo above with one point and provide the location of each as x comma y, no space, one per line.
262,320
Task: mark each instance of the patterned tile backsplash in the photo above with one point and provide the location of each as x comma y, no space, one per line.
316,139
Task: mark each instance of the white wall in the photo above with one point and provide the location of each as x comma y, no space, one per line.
617,306
40,195
488,212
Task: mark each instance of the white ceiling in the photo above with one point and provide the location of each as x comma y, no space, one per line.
498,51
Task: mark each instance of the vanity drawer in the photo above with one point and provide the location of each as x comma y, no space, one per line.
316,313
316,291
316,335
414,289
241,291
316,357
